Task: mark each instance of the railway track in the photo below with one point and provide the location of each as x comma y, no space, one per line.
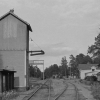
44,92
44,89
49,90
69,93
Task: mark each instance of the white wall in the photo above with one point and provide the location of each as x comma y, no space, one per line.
15,60
82,73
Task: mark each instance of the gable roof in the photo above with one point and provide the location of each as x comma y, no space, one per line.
87,66
94,72
11,13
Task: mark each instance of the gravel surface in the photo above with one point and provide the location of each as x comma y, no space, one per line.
84,91
69,94
57,87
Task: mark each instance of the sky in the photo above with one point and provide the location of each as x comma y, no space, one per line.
60,27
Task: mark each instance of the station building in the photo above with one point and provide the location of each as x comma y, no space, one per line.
14,51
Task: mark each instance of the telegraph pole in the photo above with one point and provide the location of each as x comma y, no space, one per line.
65,63
43,69
70,69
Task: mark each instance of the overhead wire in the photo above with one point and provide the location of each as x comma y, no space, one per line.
34,42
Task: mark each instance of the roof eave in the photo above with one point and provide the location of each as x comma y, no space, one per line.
1,70
29,28
10,13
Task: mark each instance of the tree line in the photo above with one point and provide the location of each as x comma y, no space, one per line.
34,71
92,57
65,69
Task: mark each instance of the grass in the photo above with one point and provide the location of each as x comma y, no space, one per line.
95,88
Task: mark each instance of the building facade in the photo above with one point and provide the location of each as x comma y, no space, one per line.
14,47
88,70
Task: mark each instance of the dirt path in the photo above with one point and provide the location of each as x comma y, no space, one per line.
84,91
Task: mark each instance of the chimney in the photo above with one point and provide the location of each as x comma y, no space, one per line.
11,11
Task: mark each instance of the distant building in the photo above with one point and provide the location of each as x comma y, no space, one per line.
88,70
14,47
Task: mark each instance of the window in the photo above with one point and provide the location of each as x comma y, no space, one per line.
93,69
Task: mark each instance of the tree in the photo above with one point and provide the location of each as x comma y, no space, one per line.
64,66
47,73
83,59
80,58
96,60
72,61
34,71
73,65
87,59
31,71
52,70
95,48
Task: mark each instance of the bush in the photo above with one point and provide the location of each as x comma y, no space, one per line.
91,78
94,78
81,81
88,78
96,90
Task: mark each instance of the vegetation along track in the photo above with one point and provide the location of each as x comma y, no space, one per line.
69,93
42,92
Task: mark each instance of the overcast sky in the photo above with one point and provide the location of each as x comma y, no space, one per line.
60,27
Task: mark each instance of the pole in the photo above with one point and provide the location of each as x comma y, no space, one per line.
65,70
43,69
70,71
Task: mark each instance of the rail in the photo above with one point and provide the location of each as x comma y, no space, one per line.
61,93
48,84
49,90
76,92
29,98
